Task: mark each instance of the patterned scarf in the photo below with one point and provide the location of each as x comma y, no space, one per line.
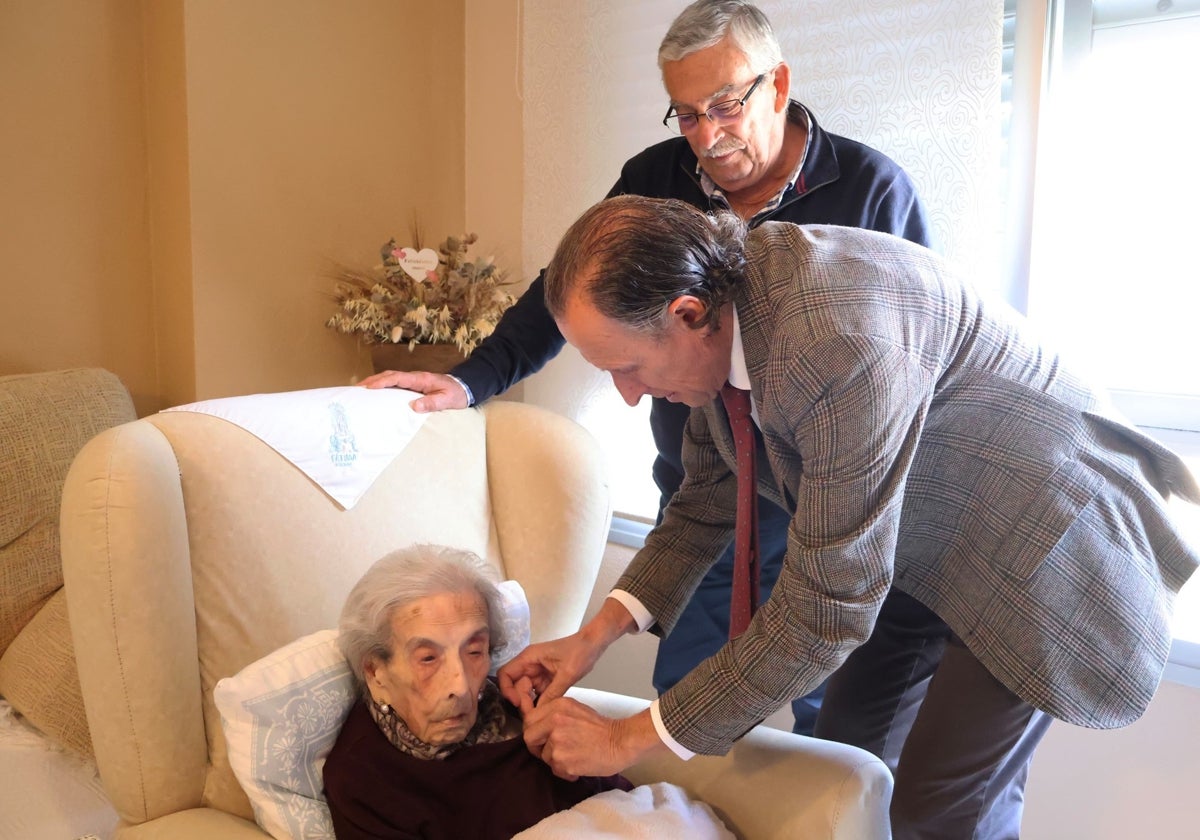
492,725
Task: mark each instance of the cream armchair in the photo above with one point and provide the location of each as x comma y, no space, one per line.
191,549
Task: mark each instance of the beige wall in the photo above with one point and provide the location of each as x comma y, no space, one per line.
168,198
181,175
316,131
1134,782
494,136
494,161
75,284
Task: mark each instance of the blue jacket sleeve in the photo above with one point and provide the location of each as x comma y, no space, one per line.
900,212
525,339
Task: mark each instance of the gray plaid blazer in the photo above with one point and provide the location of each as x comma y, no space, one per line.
922,439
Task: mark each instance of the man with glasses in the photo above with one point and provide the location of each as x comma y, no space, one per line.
745,146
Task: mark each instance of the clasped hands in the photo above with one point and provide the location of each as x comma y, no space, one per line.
572,738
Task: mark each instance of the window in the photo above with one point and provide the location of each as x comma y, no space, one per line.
1112,272
624,432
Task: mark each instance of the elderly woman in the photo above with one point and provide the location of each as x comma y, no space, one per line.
431,750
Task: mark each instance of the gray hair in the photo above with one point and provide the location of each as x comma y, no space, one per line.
706,22
631,256
401,578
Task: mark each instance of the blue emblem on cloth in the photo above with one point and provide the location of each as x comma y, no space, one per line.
342,449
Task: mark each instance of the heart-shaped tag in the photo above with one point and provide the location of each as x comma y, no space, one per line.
417,264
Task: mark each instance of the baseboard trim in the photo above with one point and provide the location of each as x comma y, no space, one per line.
628,532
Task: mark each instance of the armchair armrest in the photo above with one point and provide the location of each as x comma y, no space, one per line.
194,824
773,785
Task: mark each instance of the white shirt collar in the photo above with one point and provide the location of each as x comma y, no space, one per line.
739,375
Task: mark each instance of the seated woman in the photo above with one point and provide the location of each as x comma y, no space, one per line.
431,750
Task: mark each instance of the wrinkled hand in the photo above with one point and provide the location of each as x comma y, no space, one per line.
575,740
441,391
548,668
526,695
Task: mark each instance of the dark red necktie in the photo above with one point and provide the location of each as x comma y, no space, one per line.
745,553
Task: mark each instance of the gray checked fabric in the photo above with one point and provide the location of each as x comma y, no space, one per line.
920,437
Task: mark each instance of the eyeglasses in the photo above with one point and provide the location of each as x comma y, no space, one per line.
723,113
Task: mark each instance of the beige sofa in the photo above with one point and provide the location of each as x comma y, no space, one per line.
192,549
45,419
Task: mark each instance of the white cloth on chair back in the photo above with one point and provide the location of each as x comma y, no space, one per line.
341,438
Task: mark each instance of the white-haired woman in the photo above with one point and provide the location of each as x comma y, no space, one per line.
431,750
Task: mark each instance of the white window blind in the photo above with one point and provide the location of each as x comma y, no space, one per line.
1113,276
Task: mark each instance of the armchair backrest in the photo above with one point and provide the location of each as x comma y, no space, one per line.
191,549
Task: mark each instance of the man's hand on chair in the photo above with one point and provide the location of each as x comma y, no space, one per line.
441,391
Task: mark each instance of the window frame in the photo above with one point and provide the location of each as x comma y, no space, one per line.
1045,41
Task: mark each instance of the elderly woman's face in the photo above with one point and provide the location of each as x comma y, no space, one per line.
440,659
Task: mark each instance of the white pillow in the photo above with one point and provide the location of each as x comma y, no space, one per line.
282,714
515,622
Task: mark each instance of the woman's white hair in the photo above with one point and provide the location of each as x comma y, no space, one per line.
707,22
401,578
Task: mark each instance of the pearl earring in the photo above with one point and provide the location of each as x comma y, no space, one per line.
385,708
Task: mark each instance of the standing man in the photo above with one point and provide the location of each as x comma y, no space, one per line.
746,147
922,442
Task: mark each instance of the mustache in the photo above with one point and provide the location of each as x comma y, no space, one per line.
724,147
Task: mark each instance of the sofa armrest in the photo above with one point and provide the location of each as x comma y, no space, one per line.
773,784
194,824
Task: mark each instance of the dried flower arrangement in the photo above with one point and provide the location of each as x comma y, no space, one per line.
419,296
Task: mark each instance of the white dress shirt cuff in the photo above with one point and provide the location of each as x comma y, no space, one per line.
641,615
673,745
466,389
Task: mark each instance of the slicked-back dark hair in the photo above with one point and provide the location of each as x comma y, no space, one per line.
630,256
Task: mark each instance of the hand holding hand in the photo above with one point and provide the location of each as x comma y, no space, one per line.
550,668
547,670
441,391
526,696
576,740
